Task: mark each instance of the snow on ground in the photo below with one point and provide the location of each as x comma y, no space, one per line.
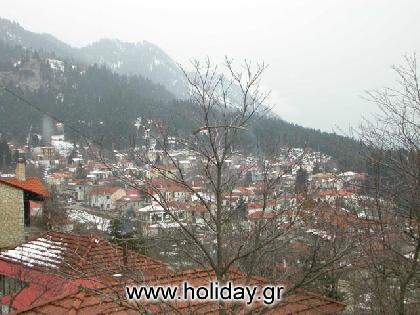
63,147
89,219
56,64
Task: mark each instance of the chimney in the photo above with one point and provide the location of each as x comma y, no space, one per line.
20,170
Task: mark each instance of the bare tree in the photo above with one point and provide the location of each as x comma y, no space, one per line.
392,234
219,116
215,230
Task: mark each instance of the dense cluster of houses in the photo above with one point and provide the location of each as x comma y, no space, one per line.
125,186
153,199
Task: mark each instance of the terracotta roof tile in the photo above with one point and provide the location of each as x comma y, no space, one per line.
80,301
80,256
111,301
73,256
31,184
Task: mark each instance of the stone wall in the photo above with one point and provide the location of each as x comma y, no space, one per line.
11,216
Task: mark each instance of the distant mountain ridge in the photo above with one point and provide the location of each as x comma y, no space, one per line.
143,58
13,33
74,85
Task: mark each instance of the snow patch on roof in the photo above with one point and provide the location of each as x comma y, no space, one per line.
40,252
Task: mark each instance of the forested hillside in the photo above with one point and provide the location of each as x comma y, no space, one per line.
105,105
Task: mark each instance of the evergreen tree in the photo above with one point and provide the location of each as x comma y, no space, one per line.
301,183
317,169
80,172
5,154
102,104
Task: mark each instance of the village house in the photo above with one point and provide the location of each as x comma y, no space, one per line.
129,202
197,213
177,193
169,171
197,182
331,195
105,198
155,214
169,191
325,181
252,171
353,181
45,156
16,193
99,175
98,171
79,189
261,215
58,178
254,207
154,217
154,155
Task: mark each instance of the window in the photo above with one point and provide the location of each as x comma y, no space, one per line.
10,285
156,217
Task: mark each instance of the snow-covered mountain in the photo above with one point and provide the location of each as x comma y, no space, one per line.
143,58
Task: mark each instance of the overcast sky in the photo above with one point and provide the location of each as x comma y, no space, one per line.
322,54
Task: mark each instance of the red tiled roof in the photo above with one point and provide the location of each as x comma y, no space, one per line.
133,192
78,302
31,184
334,192
253,205
262,215
306,303
197,207
75,256
89,257
166,185
176,188
248,166
42,287
111,301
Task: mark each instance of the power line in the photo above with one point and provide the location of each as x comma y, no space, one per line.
39,109
24,100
